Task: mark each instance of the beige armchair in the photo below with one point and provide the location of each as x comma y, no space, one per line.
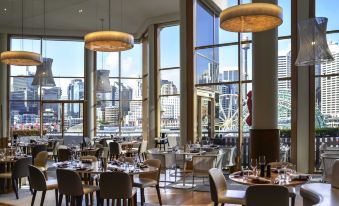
150,179
219,191
40,161
201,164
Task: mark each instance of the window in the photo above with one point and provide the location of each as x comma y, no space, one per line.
169,73
224,70
327,84
120,111
36,108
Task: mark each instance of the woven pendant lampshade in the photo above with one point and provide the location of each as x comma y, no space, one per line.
313,43
109,41
102,81
252,17
43,75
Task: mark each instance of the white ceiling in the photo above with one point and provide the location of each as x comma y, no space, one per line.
63,17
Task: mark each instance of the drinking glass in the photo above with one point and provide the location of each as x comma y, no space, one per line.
262,160
244,172
254,164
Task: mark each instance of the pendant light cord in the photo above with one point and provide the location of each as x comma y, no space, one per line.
109,15
102,53
122,15
22,24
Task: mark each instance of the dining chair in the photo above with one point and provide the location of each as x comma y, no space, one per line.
70,185
19,170
54,153
219,191
64,154
124,192
267,195
36,149
40,161
142,150
114,150
335,170
38,182
328,162
201,164
149,179
167,161
98,153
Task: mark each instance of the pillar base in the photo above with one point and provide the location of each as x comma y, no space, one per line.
265,142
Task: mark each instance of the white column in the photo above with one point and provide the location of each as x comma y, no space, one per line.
90,92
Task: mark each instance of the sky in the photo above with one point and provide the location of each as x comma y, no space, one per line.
68,56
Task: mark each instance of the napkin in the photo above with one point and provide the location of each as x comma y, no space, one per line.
86,160
259,179
300,176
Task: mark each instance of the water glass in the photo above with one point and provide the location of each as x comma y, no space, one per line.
254,164
262,160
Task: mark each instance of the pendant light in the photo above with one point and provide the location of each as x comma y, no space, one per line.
251,17
109,41
21,58
43,76
313,43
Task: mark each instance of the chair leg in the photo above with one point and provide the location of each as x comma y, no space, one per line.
159,196
60,199
107,202
216,204
79,200
33,197
29,182
292,201
135,200
43,198
98,198
193,181
142,194
222,204
86,199
15,187
56,197
67,200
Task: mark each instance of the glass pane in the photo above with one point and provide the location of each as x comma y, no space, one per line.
26,44
65,89
228,110
228,63
107,113
328,8
73,122
170,82
51,118
170,47
108,61
285,28
246,61
113,95
170,113
25,115
131,62
331,67
21,89
284,104
132,118
247,102
131,89
284,58
204,25
207,66
68,57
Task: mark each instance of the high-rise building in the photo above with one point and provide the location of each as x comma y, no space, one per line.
75,91
329,87
168,87
284,70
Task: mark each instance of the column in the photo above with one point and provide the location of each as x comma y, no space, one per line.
154,84
90,93
264,133
188,103
3,91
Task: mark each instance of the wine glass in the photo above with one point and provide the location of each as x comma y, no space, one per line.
262,160
253,164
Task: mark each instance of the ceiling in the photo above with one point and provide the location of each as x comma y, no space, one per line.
78,17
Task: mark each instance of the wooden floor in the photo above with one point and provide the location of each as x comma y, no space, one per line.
169,197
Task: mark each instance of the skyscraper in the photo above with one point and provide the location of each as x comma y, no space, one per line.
75,91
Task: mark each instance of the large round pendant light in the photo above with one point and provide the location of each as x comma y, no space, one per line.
109,41
21,58
252,17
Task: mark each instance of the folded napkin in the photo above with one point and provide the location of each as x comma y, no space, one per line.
142,165
241,173
300,176
257,179
114,169
86,161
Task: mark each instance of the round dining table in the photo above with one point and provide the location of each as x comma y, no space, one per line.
275,178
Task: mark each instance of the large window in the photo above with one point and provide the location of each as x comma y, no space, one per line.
224,72
327,83
169,75
119,112
55,111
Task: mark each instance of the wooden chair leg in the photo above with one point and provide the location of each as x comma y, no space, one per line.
60,199
56,197
107,202
43,198
15,187
86,199
33,197
159,196
293,201
79,200
124,202
135,200
30,188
